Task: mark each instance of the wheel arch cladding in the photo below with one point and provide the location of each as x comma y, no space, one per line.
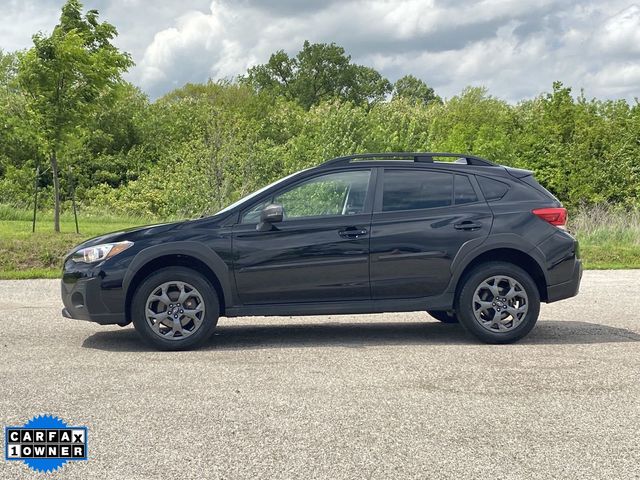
511,255
144,266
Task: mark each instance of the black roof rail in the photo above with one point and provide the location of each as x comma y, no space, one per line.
423,157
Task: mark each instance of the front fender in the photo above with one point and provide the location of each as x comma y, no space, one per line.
193,249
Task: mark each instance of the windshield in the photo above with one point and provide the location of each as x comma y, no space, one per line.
257,192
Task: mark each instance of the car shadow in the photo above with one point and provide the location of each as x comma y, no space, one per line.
356,335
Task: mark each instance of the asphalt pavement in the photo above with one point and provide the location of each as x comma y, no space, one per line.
336,397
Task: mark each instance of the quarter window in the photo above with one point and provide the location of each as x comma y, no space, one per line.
415,189
492,189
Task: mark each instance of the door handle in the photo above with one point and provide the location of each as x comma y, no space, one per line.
352,232
467,225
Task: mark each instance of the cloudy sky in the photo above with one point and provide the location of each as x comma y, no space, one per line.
516,48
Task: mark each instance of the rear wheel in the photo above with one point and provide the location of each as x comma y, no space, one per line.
445,316
175,308
498,303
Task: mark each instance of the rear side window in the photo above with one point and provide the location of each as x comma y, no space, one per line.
492,189
414,190
463,191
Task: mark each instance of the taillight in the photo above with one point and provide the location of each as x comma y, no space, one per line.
555,216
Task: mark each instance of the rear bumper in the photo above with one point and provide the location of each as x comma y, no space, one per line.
566,289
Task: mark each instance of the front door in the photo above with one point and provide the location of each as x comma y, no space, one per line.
422,217
319,252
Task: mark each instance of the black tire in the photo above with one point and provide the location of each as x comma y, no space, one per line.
445,316
465,303
208,318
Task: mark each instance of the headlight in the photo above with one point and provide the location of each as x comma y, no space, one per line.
100,252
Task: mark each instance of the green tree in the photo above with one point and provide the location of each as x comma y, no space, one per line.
18,137
473,122
101,153
66,76
546,127
415,90
8,68
320,71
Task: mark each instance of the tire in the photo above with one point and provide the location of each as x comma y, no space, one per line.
507,305
445,316
165,325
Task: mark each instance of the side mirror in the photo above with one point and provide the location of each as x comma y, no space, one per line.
272,213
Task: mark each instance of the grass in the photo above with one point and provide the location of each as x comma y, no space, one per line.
24,254
608,239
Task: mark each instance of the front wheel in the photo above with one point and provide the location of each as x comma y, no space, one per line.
175,308
499,302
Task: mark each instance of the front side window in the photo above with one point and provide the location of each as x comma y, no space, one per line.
341,193
416,189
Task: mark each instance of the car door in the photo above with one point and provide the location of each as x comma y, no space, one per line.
421,219
319,252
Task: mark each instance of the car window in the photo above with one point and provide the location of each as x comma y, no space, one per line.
416,189
492,189
463,191
340,193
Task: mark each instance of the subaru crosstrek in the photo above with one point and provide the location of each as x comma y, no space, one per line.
467,240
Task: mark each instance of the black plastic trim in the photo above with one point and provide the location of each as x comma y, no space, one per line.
439,302
566,289
186,248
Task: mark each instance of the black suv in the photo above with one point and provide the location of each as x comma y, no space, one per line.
467,241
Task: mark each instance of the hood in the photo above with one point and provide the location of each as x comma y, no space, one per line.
131,234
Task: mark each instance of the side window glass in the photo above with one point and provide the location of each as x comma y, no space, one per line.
413,190
463,190
492,189
341,193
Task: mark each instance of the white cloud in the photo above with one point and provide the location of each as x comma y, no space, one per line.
516,48
620,34
21,19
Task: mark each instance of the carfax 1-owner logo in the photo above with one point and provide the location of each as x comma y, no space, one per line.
45,443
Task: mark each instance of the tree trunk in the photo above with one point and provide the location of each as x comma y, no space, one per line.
56,191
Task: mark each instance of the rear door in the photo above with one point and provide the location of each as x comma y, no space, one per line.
421,219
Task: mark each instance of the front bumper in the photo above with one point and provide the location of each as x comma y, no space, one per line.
85,299
102,319
566,289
